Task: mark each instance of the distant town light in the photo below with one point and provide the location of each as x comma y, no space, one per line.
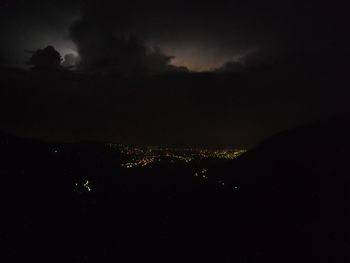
87,185
141,157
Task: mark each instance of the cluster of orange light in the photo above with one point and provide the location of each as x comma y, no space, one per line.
141,157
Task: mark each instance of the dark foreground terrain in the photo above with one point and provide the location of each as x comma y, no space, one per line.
287,200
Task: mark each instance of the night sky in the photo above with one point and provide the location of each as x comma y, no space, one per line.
253,68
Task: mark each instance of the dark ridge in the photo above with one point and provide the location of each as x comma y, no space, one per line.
284,201
296,185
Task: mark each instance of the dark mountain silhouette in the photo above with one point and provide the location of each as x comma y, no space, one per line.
126,215
297,185
284,201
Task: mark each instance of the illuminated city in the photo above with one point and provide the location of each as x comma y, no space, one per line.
144,156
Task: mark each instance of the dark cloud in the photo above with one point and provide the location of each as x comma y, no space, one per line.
231,67
291,58
29,25
204,35
182,109
201,35
100,47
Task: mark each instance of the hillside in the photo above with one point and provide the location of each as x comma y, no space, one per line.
297,185
284,201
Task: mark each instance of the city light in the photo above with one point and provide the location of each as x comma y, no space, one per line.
144,156
87,186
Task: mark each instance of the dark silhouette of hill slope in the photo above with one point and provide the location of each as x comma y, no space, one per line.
161,213
295,187
287,200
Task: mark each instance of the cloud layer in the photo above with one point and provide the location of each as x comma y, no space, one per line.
281,63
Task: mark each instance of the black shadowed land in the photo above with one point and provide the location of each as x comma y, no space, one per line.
285,200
